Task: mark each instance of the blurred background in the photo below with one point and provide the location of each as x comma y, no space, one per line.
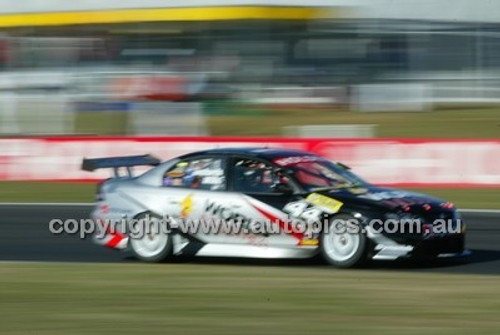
203,73
242,68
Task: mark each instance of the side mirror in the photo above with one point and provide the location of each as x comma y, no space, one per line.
282,188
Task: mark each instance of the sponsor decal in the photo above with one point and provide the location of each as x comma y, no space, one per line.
386,195
187,206
292,160
309,242
281,222
224,213
210,177
311,211
358,190
328,204
104,209
115,240
303,210
175,174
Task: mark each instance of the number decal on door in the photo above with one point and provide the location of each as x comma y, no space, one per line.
313,207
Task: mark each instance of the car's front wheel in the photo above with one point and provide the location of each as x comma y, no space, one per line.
151,243
343,243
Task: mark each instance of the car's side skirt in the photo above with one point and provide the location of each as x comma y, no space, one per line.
250,251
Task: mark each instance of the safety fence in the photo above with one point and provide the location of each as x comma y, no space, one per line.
397,162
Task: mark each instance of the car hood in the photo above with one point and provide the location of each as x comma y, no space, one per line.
385,198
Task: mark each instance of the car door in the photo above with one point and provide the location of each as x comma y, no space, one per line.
256,180
185,190
196,197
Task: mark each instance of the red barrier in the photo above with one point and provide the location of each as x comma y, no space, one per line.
402,162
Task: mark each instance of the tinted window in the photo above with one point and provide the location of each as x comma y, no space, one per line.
252,176
314,172
202,173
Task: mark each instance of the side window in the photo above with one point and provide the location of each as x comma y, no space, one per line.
252,176
201,173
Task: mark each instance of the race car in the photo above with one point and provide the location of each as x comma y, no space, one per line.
341,217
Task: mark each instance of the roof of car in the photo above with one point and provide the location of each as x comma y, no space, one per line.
259,152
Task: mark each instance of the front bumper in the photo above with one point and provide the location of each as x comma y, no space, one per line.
451,246
436,246
463,254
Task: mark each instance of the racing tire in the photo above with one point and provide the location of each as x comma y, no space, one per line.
153,247
346,247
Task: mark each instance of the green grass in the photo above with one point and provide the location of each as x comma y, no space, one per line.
231,119
230,299
101,123
482,198
23,191
18,191
457,123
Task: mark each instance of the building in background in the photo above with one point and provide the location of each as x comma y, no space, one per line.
62,62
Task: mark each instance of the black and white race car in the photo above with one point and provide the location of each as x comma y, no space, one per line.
267,203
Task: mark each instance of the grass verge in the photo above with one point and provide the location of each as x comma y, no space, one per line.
223,299
22,191
454,122
457,123
14,191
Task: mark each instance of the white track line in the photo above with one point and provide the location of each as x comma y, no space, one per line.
86,204
486,211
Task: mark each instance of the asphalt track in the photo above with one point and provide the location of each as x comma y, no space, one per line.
25,237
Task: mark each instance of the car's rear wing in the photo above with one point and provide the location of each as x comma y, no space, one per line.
118,162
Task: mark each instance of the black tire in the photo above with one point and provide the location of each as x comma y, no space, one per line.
151,248
344,248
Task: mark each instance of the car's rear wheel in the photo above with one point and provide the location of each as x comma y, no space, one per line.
151,242
343,243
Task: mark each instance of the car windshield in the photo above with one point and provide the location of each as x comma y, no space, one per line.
315,173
